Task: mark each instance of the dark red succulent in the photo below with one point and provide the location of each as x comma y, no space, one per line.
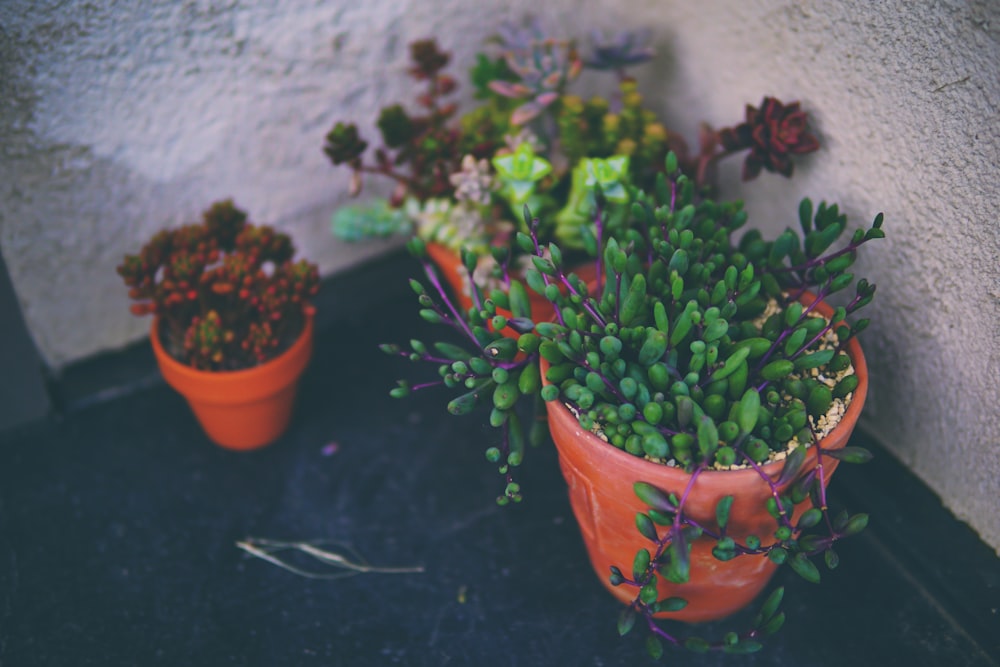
226,292
773,133
428,59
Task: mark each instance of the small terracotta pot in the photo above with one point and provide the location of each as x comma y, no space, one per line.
600,479
450,265
243,409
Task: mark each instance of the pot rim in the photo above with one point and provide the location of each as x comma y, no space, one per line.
288,362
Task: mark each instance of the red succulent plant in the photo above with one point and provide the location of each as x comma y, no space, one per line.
773,133
226,292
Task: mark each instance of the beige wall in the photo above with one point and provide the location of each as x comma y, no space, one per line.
116,120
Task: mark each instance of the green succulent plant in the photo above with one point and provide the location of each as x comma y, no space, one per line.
539,142
593,128
421,153
693,349
520,171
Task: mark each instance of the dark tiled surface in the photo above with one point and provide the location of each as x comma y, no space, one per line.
118,525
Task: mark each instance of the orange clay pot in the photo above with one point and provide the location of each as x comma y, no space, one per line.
600,479
454,274
243,409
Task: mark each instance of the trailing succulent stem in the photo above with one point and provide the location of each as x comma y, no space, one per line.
500,372
790,543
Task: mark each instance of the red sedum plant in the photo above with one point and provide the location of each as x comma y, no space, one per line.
225,292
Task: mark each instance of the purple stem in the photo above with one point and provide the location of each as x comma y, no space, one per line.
822,481
687,491
428,358
585,302
668,537
774,489
684,496
477,297
505,267
618,298
657,630
538,253
599,224
458,322
817,261
822,333
433,360
788,330
426,385
564,280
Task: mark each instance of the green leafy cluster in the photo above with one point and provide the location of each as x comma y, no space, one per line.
672,359
692,348
671,355
583,131
591,129
705,353
522,85
501,371
422,153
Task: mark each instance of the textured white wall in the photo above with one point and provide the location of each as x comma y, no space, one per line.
116,120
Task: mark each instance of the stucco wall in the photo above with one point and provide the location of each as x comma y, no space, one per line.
906,99
117,118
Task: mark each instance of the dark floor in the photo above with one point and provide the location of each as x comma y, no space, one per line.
119,522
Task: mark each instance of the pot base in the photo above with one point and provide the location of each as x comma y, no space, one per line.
244,409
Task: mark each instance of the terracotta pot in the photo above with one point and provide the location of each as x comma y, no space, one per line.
450,265
243,409
600,479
